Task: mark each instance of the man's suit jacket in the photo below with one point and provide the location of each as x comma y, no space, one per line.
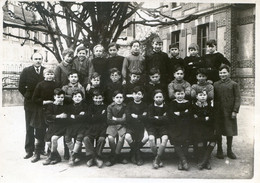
27,83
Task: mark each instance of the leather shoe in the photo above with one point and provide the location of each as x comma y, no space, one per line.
28,155
36,157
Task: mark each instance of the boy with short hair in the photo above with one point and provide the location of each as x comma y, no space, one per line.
82,65
174,58
116,120
57,119
113,85
136,112
134,63
213,60
95,80
153,84
72,86
192,63
133,82
64,68
114,60
158,59
96,129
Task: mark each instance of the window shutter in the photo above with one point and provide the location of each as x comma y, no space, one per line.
182,43
213,30
194,34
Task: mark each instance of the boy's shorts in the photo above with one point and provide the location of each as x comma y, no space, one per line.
115,130
136,133
157,131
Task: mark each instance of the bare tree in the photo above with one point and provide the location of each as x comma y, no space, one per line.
87,23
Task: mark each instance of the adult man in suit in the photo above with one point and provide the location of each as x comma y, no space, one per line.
29,78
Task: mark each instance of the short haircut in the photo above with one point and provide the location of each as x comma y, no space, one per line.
113,44
193,46
135,41
98,45
212,42
94,75
153,71
114,70
137,89
67,52
179,68
82,48
48,70
179,89
202,71
58,91
75,92
73,72
117,92
174,45
158,91
224,67
97,93
201,90
135,72
157,39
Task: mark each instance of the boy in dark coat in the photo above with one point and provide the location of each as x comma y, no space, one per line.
226,106
114,60
213,60
42,96
136,112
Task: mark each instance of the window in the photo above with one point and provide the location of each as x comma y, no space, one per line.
175,37
174,5
203,36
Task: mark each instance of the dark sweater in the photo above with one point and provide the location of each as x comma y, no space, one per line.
138,109
100,66
174,62
115,62
157,111
191,65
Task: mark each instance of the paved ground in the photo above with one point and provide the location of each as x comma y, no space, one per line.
13,168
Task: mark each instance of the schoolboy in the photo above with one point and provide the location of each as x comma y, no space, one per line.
72,86
114,60
203,129
179,83
136,113
96,129
158,59
95,84
226,106
213,60
134,63
174,59
64,68
42,96
202,84
133,82
113,84
77,124
116,120
57,119
180,126
82,65
153,84
156,126
192,63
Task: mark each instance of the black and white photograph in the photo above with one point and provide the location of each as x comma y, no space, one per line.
112,91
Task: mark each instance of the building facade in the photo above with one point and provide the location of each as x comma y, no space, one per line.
232,25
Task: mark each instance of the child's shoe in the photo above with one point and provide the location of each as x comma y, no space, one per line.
139,160
90,162
66,154
56,158
208,165
112,160
156,163
36,157
49,159
121,159
132,157
98,162
72,159
185,165
180,167
231,155
220,154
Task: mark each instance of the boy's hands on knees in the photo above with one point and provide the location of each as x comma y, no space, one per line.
103,112
234,115
88,87
72,116
124,82
187,110
206,118
144,114
156,117
195,116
